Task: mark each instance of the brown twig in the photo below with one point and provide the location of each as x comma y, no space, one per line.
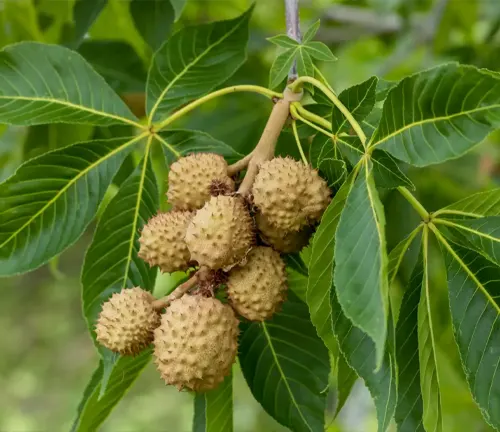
180,290
239,165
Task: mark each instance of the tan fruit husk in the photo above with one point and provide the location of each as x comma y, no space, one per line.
282,240
191,177
258,288
290,194
196,343
163,241
221,233
127,321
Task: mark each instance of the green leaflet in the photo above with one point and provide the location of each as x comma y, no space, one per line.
52,84
482,235
428,351
85,12
321,266
360,273
286,367
439,114
346,378
386,169
94,409
360,354
281,66
111,263
359,100
409,411
117,62
480,204
193,62
39,219
473,290
213,410
180,142
153,20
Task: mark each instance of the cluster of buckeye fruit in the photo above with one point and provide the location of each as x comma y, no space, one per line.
235,242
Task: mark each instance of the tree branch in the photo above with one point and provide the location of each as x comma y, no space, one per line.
293,30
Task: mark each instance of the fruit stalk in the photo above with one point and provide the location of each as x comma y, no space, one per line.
265,148
180,290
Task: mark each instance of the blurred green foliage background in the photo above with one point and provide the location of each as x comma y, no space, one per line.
47,356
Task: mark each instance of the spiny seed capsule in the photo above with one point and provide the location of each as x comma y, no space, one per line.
163,241
282,240
258,288
196,343
127,321
290,194
221,233
191,180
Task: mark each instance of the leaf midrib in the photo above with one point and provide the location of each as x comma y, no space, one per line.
74,106
186,69
431,120
71,183
439,425
283,377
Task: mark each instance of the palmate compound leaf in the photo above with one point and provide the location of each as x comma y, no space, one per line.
360,274
213,410
357,349
419,399
286,367
439,114
386,171
193,62
474,288
111,263
50,200
52,84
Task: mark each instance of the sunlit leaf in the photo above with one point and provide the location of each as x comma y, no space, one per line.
47,204
439,114
286,367
360,273
194,61
51,84
319,51
281,66
473,283
321,267
283,41
311,32
409,411
359,351
213,410
427,347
